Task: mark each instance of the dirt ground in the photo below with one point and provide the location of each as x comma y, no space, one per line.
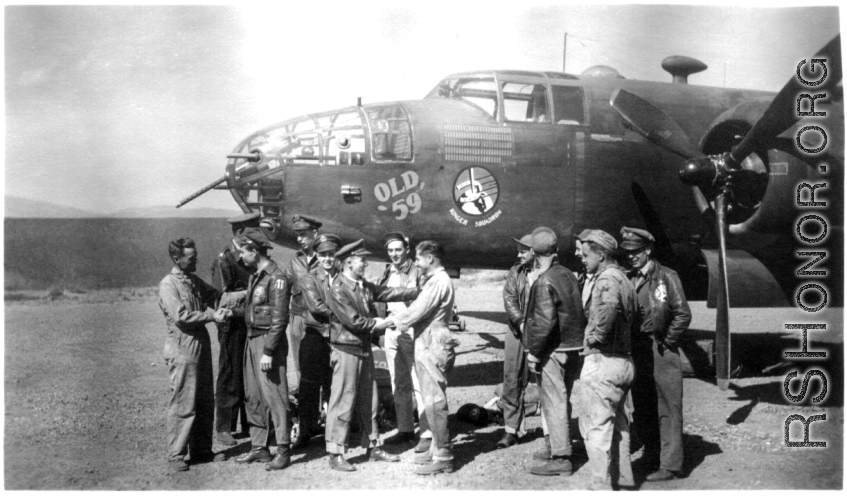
86,389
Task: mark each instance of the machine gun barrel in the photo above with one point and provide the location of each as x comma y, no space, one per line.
210,186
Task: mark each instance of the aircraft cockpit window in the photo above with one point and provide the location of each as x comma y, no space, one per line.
568,105
525,102
480,92
391,133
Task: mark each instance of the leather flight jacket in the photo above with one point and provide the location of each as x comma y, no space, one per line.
299,266
514,297
611,313
554,318
353,311
315,290
266,307
669,315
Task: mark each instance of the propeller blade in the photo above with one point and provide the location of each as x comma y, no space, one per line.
722,322
652,123
782,112
664,249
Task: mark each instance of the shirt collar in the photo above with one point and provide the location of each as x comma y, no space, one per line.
178,273
646,269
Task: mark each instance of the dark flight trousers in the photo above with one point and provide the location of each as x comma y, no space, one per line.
657,397
515,379
229,390
266,393
315,373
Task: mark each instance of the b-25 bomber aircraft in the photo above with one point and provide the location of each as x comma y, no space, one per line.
487,155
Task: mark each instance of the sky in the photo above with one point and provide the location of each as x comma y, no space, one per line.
115,107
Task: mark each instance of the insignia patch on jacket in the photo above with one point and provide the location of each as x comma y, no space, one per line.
662,292
280,284
259,295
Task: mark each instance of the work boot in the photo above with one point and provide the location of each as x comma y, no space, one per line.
661,475
282,458
223,423
177,465
423,445
507,440
257,454
225,438
379,455
544,454
423,458
437,467
558,465
337,462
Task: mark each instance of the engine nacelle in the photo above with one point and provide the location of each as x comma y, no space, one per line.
759,205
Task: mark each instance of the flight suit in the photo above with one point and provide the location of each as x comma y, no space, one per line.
353,382
229,275
315,371
266,315
187,304
400,352
298,267
430,314
515,371
657,391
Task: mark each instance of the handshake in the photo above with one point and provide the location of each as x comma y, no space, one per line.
222,315
383,324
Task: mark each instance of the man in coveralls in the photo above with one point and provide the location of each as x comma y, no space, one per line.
186,302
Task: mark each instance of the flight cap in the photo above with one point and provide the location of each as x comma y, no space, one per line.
544,240
635,239
602,238
525,241
302,223
584,234
356,248
326,242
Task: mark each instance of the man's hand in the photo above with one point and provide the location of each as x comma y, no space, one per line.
382,324
265,363
534,363
591,340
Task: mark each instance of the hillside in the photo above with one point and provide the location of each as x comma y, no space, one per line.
106,253
22,208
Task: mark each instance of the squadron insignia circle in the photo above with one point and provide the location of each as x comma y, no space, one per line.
476,191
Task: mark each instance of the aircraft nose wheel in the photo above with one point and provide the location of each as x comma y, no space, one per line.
457,324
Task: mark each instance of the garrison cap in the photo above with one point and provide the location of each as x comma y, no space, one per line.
326,242
255,237
395,236
356,248
525,241
602,238
301,222
635,239
544,240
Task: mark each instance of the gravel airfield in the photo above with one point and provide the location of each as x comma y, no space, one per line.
86,389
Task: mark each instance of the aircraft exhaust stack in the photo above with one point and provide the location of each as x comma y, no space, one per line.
681,67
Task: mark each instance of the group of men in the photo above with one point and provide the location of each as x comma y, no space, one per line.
305,333
603,348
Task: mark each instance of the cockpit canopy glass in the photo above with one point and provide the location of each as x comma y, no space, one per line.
480,92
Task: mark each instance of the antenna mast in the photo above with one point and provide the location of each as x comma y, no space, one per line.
565,53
